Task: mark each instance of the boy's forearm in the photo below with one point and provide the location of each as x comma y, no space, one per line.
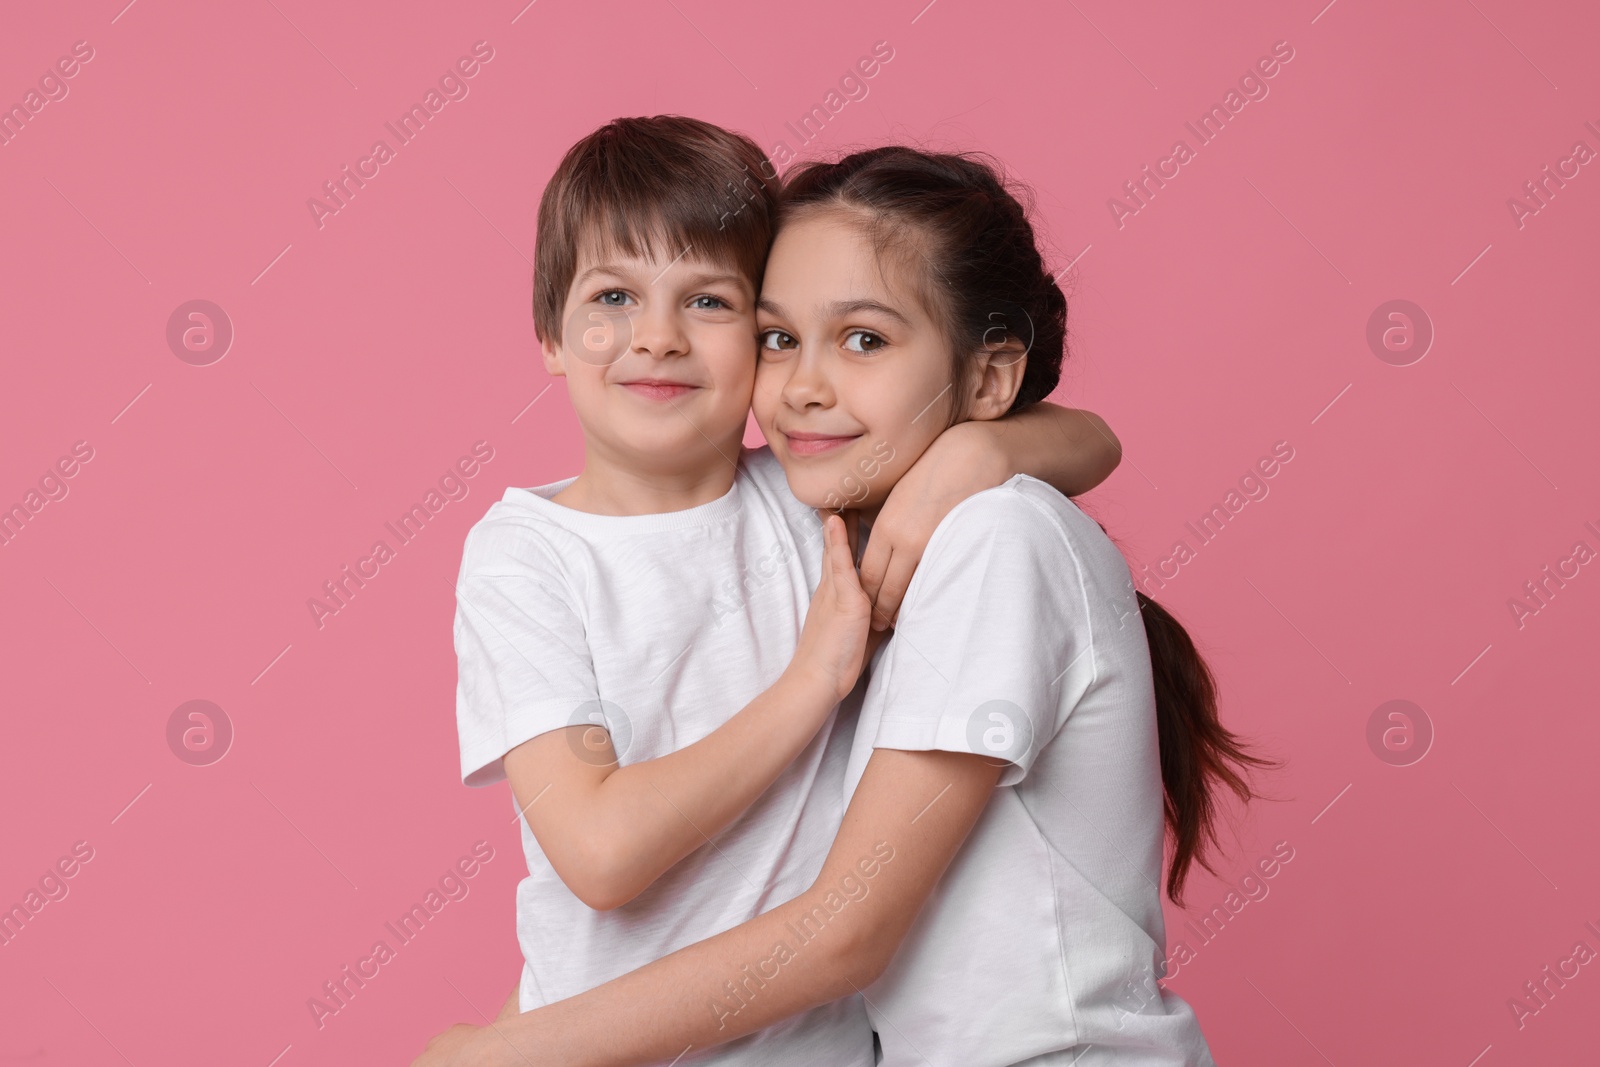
659,811
1071,449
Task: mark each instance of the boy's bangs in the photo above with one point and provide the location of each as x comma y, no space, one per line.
669,232
665,188
669,224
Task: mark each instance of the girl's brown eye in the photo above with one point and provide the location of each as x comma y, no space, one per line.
864,341
776,341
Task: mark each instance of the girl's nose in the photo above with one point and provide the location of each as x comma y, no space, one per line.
808,384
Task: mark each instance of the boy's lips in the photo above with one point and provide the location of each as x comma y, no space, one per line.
658,388
815,444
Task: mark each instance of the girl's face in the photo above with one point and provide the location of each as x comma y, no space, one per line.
855,376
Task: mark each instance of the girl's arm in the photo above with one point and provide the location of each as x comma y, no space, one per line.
1068,448
610,831
908,817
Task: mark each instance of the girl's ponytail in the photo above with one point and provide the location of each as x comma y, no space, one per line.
1198,753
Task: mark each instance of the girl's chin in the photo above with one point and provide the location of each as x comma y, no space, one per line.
814,492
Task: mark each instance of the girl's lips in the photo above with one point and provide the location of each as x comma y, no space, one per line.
815,444
656,390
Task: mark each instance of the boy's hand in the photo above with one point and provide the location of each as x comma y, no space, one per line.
833,644
964,460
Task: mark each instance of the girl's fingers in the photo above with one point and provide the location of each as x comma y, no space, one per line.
875,563
874,639
896,580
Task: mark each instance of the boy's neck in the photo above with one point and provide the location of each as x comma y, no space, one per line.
608,487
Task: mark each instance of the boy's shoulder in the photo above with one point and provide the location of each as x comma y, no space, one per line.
517,536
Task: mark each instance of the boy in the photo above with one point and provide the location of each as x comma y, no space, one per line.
608,624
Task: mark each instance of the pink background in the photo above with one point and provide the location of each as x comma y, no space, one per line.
1229,313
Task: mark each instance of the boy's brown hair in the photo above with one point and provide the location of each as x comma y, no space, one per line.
659,185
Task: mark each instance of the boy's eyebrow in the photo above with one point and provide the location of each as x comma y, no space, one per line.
714,277
702,278
600,268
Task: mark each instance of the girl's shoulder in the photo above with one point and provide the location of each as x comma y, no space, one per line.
1022,511
1032,526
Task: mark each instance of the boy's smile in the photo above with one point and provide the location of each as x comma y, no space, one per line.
658,388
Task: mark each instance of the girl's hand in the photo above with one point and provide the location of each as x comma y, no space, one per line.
833,644
513,1005
458,1046
965,459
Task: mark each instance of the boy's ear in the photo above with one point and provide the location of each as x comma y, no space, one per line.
551,353
996,378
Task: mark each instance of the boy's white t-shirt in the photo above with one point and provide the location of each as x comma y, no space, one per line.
1020,638
662,627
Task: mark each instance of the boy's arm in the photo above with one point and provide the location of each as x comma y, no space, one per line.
1071,449
610,831
906,821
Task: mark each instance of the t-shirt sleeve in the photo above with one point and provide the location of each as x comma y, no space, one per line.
994,645
522,658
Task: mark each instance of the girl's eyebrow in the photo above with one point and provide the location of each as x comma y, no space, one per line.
837,310
843,308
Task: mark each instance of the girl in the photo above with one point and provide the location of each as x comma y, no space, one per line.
985,926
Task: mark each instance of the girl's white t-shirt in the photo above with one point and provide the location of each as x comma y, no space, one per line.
661,627
1020,638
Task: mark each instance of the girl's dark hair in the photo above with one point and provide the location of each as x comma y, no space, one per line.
1198,753
955,216
982,275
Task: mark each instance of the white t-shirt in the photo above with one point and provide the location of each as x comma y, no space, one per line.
1020,638
664,626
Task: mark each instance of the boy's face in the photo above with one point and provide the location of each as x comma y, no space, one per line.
659,356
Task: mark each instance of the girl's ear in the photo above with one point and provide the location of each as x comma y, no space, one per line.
996,377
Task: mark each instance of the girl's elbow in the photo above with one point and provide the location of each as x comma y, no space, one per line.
859,956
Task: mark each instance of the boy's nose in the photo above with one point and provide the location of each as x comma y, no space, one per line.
659,334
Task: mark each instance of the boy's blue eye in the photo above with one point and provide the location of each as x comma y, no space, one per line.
777,341
716,303
865,341
606,298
